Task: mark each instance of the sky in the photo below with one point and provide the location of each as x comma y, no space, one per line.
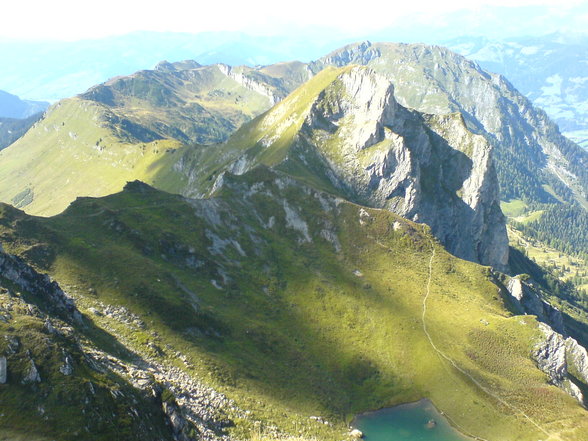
73,20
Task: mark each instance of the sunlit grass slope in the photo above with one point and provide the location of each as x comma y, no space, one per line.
73,152
296,303
130,128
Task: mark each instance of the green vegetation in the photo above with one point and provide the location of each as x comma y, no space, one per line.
513,208
316,312
65,157
564,227
191,104
88,404
129,128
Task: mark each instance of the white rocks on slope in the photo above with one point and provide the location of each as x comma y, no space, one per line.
559,357
529,301
32,375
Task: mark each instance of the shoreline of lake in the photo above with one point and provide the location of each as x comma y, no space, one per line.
416,421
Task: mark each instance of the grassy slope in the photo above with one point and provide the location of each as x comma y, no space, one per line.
86,148
294,329
276,127
71,153
198,105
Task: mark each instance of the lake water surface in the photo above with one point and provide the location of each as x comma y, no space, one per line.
418,421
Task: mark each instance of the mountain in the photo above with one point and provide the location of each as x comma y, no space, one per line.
272,301
534,162
12,129
539,170
345,132
126,117
130,127
549,70
532,157
50,383
12,106
407,156
53,70
193,103
124,120
279,285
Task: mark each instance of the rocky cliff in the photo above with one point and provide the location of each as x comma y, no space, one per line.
564,360
346,128
429,169
527,299
433,79
49,293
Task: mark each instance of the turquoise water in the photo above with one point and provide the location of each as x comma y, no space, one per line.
418,421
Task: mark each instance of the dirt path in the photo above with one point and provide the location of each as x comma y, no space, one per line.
461,370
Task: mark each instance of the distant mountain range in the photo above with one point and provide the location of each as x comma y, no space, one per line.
17,116
12,106
12,129
549,69
552,71
56,70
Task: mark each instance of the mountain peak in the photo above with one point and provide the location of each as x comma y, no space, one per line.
345,132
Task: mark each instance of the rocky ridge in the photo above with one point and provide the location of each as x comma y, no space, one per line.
188,404
44,368
528,300
548,69
559,355
433,79
237,250
356,136
24,276
184,98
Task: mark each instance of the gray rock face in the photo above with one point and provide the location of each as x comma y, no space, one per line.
577,356
528,301
355,136
13,344
3,370
176,421
435,80
250,83
559,357
562,92
67,367
28,279
32,375
429,169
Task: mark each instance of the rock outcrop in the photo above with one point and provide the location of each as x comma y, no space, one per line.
3,370
528,300
357,137
429,169
433,79
28,279
561,358
32,375
250,83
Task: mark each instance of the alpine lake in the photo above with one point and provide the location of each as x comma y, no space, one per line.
419,421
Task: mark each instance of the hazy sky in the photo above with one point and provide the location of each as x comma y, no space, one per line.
78,19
